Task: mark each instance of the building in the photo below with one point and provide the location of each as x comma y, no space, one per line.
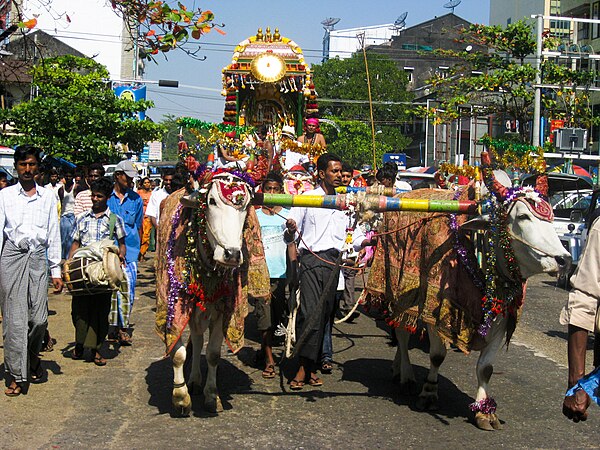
412,49
505,12
343,43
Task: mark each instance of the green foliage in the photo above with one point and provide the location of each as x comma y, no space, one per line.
76,114
346,80
170,139
498,80
353,143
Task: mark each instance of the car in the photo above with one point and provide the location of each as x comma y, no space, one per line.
417,180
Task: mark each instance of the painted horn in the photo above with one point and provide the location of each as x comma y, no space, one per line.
493,185
541,184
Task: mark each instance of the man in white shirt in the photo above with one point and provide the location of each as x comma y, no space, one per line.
323,234
158,195
30,243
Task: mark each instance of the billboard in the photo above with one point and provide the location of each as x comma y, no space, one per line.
133,92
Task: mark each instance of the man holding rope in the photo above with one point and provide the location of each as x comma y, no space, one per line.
322,233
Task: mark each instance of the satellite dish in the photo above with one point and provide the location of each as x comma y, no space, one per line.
330,22
452,4
399,23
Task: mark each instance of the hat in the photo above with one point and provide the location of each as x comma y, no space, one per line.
288,131
128,167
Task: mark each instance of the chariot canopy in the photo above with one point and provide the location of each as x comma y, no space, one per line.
268,83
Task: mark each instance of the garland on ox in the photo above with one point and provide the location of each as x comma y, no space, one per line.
427,273
186,276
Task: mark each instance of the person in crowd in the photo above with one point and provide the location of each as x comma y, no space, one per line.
157,196
83,195
387,176
79,179
30,243
3,180
312,134
291,157
323,234
349,259
271,313
66,194
145,191
581,316
90,312
129,206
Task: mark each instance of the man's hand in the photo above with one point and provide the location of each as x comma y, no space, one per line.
575,406
291,226
58,285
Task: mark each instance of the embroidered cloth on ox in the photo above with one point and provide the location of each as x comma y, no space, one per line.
416,275
252,278
233,193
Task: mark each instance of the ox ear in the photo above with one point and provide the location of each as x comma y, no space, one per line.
481,222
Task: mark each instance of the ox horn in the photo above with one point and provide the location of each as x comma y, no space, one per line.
489,178
541,184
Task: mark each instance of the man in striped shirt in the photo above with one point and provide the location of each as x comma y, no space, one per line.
30,243
83,199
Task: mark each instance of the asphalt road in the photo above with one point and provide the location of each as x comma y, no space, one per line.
126,404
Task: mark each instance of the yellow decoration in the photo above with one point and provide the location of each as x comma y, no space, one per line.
312,151
268,67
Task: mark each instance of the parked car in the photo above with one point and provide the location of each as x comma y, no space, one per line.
571,199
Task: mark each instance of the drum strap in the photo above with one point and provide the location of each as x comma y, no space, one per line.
112,221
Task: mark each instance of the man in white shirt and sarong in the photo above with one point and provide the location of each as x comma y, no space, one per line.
30,243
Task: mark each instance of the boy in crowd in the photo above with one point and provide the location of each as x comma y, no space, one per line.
90,313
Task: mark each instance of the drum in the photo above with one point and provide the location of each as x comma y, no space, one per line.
75,275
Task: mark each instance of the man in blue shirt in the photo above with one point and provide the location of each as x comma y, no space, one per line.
128,205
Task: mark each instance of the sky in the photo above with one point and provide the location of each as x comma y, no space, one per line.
298,20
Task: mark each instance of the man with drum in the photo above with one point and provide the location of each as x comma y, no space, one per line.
30,243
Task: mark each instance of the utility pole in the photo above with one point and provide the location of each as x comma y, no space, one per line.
361,40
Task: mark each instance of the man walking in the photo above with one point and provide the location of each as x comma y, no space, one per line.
128,205
323,234
158,195
30,242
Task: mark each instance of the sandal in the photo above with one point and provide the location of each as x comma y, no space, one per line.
37,374
326,367
296,385
76,354
99,360
124,338
269,371
315,382
14,390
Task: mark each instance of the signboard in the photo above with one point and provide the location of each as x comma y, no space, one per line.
135,92
571,139
145,154
398,158
155,151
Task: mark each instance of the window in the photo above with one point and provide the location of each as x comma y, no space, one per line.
595,15
409,73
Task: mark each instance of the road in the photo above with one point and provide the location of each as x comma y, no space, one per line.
126,404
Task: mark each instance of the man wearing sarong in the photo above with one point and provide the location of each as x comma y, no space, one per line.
323,234
30,243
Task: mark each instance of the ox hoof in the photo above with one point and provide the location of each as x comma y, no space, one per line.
183,407
427,403
213,406
487,422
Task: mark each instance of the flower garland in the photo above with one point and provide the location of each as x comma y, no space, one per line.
486,406
312,151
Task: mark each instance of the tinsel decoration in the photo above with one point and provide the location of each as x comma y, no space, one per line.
486,406
465,170
515,156
312,151
175,284
190,122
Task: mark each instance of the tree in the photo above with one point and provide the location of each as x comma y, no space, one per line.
76,115
163,25
498,79
345,79
170,138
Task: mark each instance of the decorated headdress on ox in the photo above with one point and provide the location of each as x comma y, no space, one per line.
533,198
220,199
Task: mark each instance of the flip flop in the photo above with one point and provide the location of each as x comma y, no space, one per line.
37,374
13,391
99,361
269,371
315,382
326,367
296,385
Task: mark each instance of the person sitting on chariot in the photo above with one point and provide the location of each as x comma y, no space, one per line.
265,156
228,156
291,158
312,134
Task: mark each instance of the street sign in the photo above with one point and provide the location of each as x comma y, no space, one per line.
398,158
571,139
155,151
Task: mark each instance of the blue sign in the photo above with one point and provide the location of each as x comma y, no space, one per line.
398,158
135,92
145,155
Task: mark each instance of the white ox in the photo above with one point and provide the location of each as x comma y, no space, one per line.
537,249
224,200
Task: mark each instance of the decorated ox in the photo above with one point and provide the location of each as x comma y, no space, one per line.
209,258
426,272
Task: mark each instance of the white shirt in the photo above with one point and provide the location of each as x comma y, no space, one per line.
33,219
324,229
293,158
153,208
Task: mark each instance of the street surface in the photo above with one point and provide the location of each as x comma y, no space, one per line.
126,404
